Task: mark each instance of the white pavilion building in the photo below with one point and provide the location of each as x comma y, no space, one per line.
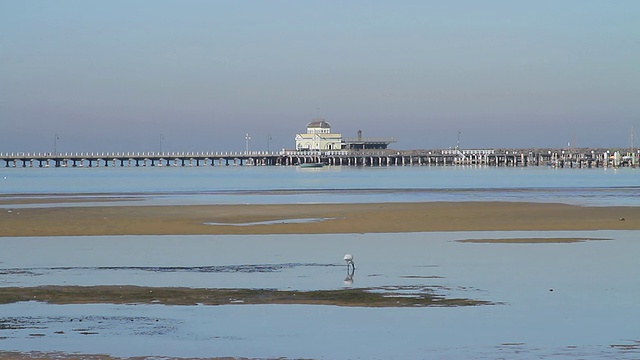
319,137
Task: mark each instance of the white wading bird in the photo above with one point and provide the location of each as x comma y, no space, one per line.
349,259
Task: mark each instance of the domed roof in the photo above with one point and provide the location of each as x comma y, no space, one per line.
319,123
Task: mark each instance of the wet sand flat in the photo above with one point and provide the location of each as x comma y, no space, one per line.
327,218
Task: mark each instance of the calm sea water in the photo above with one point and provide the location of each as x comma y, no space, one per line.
228,185
591,313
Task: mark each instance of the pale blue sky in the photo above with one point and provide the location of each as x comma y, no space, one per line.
115,75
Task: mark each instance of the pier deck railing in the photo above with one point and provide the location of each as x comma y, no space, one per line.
382,157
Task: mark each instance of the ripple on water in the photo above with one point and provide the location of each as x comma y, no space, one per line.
272,222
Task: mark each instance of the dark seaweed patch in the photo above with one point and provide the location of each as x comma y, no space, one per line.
259,268
386,296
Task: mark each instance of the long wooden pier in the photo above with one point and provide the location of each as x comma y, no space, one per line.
496,157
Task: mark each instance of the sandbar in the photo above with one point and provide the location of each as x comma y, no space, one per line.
335,218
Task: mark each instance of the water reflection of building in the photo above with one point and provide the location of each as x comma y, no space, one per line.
320,137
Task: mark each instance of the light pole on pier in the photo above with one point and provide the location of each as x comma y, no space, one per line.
55,144
247,138
161,138
268,140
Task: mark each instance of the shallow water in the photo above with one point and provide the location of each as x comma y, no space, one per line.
259,185
590,314
292,331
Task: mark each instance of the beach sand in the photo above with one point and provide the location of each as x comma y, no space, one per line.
115,219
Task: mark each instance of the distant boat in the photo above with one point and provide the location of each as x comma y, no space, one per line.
312,165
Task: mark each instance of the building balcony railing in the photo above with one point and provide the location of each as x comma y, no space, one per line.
386,140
